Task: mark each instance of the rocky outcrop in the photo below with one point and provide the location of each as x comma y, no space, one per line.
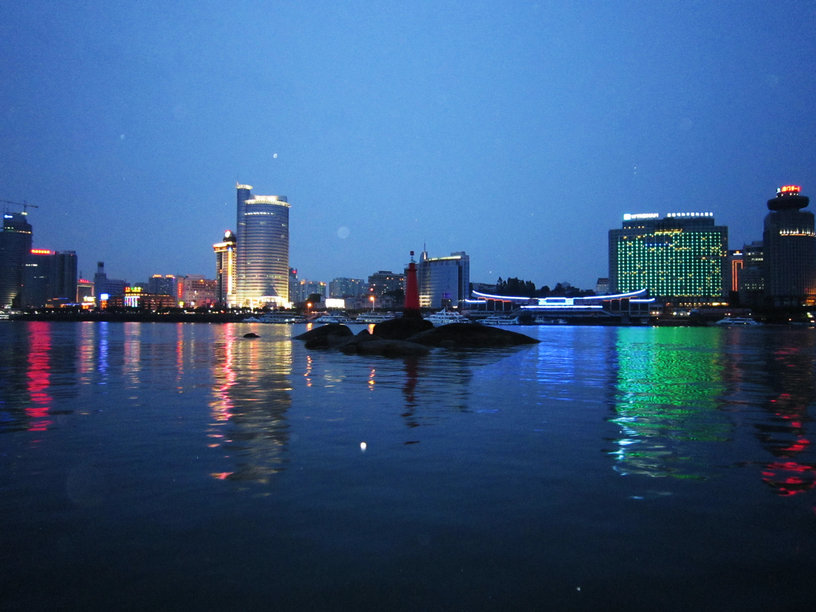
401,328
394,339
468,335
326,336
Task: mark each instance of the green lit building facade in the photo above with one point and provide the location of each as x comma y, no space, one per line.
682,258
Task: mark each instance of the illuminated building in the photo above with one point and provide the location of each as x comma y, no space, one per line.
163,285
106,287
49,278
443,281
599,309
305,288
681,258
790,250
384,282
262,250
136,297
225,271
347,287
197,291
15,245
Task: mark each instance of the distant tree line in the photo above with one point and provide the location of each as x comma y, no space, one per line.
516,286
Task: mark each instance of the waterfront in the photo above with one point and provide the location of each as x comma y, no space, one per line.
184,466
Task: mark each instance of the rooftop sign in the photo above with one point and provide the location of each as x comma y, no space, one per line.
635,217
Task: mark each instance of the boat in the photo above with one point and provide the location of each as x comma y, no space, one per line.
276,317
737,321
445,317
331,318
372,318
499,320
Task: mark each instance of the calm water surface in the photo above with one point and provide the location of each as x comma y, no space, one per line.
163,466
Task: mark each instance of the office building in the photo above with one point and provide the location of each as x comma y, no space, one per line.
195,291
751,277
790,250
444,282
347,287
682,258
225,270
15,246
105,287
163,285
262,249
385,282
49,278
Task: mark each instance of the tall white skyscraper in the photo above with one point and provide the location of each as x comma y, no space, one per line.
262,250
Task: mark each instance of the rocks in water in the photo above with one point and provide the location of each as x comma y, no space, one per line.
251,335
326,336
367,344
403,337
467,335
401,328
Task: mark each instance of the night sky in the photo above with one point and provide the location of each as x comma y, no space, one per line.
519,132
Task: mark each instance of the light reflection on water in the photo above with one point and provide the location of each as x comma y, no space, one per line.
522,462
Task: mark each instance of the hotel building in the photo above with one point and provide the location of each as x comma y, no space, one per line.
789,243
225,270
262,250
443,281
681,258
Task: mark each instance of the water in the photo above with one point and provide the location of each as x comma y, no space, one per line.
164,466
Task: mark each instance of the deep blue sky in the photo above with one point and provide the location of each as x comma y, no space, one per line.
519,132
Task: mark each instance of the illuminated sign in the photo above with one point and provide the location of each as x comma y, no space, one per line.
42,252
133,289
789,189
686,215
638,216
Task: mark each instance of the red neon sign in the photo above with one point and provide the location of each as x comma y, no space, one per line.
790,189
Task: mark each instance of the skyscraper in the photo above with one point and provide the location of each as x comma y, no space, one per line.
443,281
262,250
789,250
225,271
15,246
682,258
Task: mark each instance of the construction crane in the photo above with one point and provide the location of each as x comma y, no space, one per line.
25,205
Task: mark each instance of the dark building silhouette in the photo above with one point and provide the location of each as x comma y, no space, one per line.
15,245
789,242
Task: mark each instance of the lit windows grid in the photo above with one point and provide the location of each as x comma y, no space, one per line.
672,262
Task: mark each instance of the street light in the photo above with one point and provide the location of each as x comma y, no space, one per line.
371,299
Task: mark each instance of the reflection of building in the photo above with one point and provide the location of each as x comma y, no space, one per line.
262,250
225,269
790,250
49,278
681,258
15,244
443,281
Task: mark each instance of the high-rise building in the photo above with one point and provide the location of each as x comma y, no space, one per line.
384,281
225,270
347,287
790,250
443,281
751,279
15,246
49,278
262,250
681,258
163,285
105,287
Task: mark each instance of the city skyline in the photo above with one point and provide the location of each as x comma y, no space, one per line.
518,134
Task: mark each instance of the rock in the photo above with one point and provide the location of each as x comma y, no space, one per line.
366,344
401,328
325,336
468,335
251,335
